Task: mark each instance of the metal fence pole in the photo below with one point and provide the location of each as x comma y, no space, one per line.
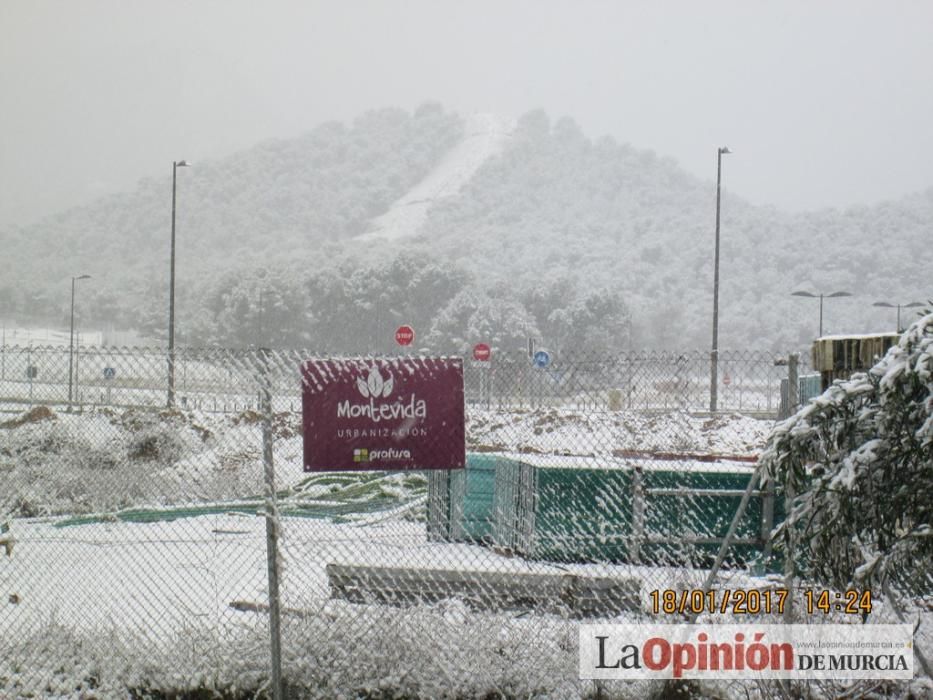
767,519
29,373
793,383
730,534
790,492
272,526
77,396
638,514
713,380
790,552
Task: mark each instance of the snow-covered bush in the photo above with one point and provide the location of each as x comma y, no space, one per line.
860,458
98,461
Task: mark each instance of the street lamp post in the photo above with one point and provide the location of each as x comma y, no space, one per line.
820,297
71,350
911,305
171,292
714,355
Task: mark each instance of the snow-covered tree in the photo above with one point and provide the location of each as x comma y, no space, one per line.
860,458
473,316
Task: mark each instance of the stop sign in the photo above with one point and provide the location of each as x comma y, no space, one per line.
481,352
404,335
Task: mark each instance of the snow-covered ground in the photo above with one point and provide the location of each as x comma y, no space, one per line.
47,337
603,434
105,459
156,578
486,135
172,535
122,600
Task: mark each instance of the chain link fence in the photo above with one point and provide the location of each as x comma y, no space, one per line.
157,552
213,380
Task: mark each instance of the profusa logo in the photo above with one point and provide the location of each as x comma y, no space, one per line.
375,387
364,454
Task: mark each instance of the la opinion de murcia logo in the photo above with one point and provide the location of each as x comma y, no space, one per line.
375,387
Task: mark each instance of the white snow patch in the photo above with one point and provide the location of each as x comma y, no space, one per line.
486,135
47,337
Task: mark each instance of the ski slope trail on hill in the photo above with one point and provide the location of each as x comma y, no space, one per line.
486,136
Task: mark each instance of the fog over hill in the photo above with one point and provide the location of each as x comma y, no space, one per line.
470,228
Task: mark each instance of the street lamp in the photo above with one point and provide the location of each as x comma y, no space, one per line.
911,305
171,292
71,350
821,296
714,355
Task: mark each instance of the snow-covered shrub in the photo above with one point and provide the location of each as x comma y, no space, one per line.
99,461
340,651
860,458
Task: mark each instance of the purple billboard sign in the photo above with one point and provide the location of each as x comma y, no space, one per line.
383,414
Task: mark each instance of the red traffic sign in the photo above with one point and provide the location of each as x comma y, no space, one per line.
726,379
404,335
481,352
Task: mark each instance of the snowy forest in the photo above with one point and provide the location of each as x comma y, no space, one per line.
582,243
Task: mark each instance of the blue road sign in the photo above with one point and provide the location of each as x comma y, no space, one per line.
109,373
541,359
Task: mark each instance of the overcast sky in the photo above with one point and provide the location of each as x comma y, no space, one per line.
825,103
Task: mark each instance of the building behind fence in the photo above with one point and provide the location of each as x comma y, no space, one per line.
156,550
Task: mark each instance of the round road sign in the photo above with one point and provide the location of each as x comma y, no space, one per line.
542,359
481,352
404,335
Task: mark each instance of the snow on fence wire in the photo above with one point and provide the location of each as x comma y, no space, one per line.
136,538
749,382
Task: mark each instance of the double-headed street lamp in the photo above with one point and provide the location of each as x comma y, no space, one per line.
820,297
714,355
171,292
71,350
911,305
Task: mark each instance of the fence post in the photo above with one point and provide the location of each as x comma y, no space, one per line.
487,383
28,365
638,513
790,552
713,380
272,526
793,383
790,493
680,382
730,534
767,519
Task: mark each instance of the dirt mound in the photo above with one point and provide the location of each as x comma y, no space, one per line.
33,415
135,421
247,417
286,424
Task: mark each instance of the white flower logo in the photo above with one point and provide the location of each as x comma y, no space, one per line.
374,385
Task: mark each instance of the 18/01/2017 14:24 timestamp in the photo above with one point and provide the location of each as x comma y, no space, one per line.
739,601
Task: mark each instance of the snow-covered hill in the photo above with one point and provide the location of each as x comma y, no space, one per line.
485,136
